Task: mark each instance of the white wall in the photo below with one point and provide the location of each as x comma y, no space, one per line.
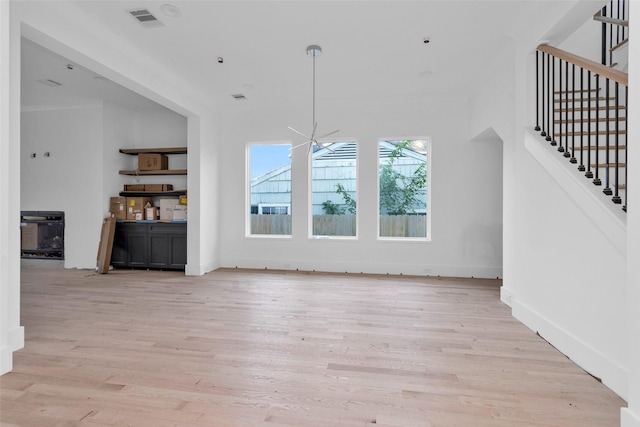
117,132
466,191
70,180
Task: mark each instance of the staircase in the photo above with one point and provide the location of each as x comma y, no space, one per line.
581,105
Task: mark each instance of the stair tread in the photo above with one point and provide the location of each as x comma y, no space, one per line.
587,120
578,100
604,107
602,132
600,147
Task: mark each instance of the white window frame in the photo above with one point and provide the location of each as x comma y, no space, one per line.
428,151
310,193
247,189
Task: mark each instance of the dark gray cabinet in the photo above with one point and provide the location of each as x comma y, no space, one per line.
150,245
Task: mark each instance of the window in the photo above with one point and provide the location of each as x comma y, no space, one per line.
269,210
403,188
333,190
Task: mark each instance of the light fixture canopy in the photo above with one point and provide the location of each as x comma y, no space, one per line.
314,50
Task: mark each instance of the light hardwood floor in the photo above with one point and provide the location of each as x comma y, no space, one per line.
264,348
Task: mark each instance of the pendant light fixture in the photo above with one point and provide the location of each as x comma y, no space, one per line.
313,51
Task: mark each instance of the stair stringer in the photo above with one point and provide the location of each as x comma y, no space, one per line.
604,214
574,310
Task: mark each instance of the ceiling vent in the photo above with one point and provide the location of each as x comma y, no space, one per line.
239,96
145,18
49,82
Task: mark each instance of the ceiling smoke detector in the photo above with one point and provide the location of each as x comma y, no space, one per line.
145,18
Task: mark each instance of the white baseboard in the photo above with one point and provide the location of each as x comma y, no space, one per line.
628,418
15,341
612,374
366,267
199,269
506,296
6,360
15,338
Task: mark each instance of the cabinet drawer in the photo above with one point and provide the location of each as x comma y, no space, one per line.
165,228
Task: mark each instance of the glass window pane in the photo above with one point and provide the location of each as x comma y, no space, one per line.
270,189
403,188
333,189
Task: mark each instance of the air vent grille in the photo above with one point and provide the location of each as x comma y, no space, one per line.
145,18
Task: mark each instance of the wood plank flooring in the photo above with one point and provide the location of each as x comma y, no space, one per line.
265,348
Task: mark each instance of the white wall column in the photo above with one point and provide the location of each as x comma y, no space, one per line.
11,333
631,414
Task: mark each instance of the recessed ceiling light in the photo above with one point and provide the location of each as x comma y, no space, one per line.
171,10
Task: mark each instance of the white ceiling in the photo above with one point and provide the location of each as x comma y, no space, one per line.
371,49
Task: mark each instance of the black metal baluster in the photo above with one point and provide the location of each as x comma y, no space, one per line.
616,198
543,133
549,99
604,38
581,167
553,116
566,109
573,117
626,153
607,187
596,179
537,128
588,173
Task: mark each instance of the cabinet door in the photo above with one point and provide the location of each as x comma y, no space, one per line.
137,250
178,252
158,250
119,252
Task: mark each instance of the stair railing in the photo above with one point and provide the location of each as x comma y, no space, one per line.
581,107
615,28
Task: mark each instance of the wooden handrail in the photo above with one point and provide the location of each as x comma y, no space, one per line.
587,64
622,22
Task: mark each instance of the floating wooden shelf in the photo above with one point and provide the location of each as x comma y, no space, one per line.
171,150
156,172
152,193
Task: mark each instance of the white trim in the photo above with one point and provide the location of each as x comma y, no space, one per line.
363,266
310,160
429,211
628,418
612,374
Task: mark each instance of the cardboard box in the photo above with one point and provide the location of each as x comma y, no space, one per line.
152,213
179,212
166,209
118,207
158,187
29,235
134,187
152,162
135,207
